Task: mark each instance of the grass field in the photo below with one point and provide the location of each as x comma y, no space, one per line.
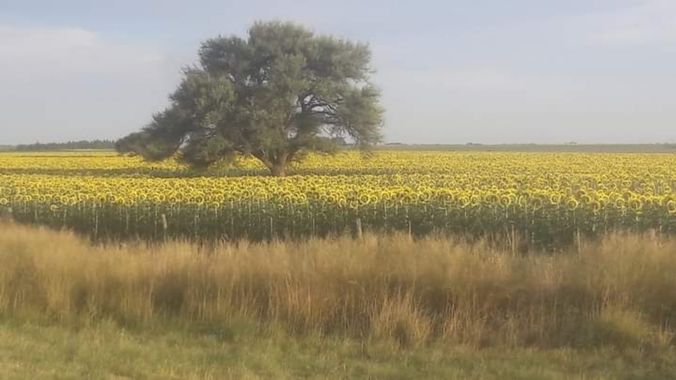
107,351
380,307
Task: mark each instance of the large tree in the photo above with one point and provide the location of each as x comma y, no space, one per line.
279,93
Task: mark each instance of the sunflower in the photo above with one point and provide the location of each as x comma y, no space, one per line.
635,204
595,206
671,207
572,204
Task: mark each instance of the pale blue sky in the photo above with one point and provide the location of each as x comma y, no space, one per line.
489,71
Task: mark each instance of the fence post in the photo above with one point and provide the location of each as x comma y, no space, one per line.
164,226
360,232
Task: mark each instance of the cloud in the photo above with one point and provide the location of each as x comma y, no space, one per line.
68,51
474,85
649,22
499,104
67,83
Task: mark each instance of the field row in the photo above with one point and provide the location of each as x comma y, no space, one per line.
495,165
547,198
265,207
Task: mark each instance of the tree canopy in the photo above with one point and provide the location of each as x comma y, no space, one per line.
276,95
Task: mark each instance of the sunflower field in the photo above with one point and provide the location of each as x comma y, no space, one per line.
547,198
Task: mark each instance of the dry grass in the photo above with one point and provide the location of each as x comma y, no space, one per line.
619,292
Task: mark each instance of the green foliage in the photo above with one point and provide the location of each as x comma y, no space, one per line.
276,95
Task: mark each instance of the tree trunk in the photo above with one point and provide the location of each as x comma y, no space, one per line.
278,169
276,164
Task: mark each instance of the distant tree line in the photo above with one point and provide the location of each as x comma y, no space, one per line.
82,144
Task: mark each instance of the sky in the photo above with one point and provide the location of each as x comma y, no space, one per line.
453,72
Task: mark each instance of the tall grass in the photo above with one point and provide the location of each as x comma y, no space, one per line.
620,291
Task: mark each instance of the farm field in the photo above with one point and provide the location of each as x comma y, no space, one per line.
545,198
452,274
